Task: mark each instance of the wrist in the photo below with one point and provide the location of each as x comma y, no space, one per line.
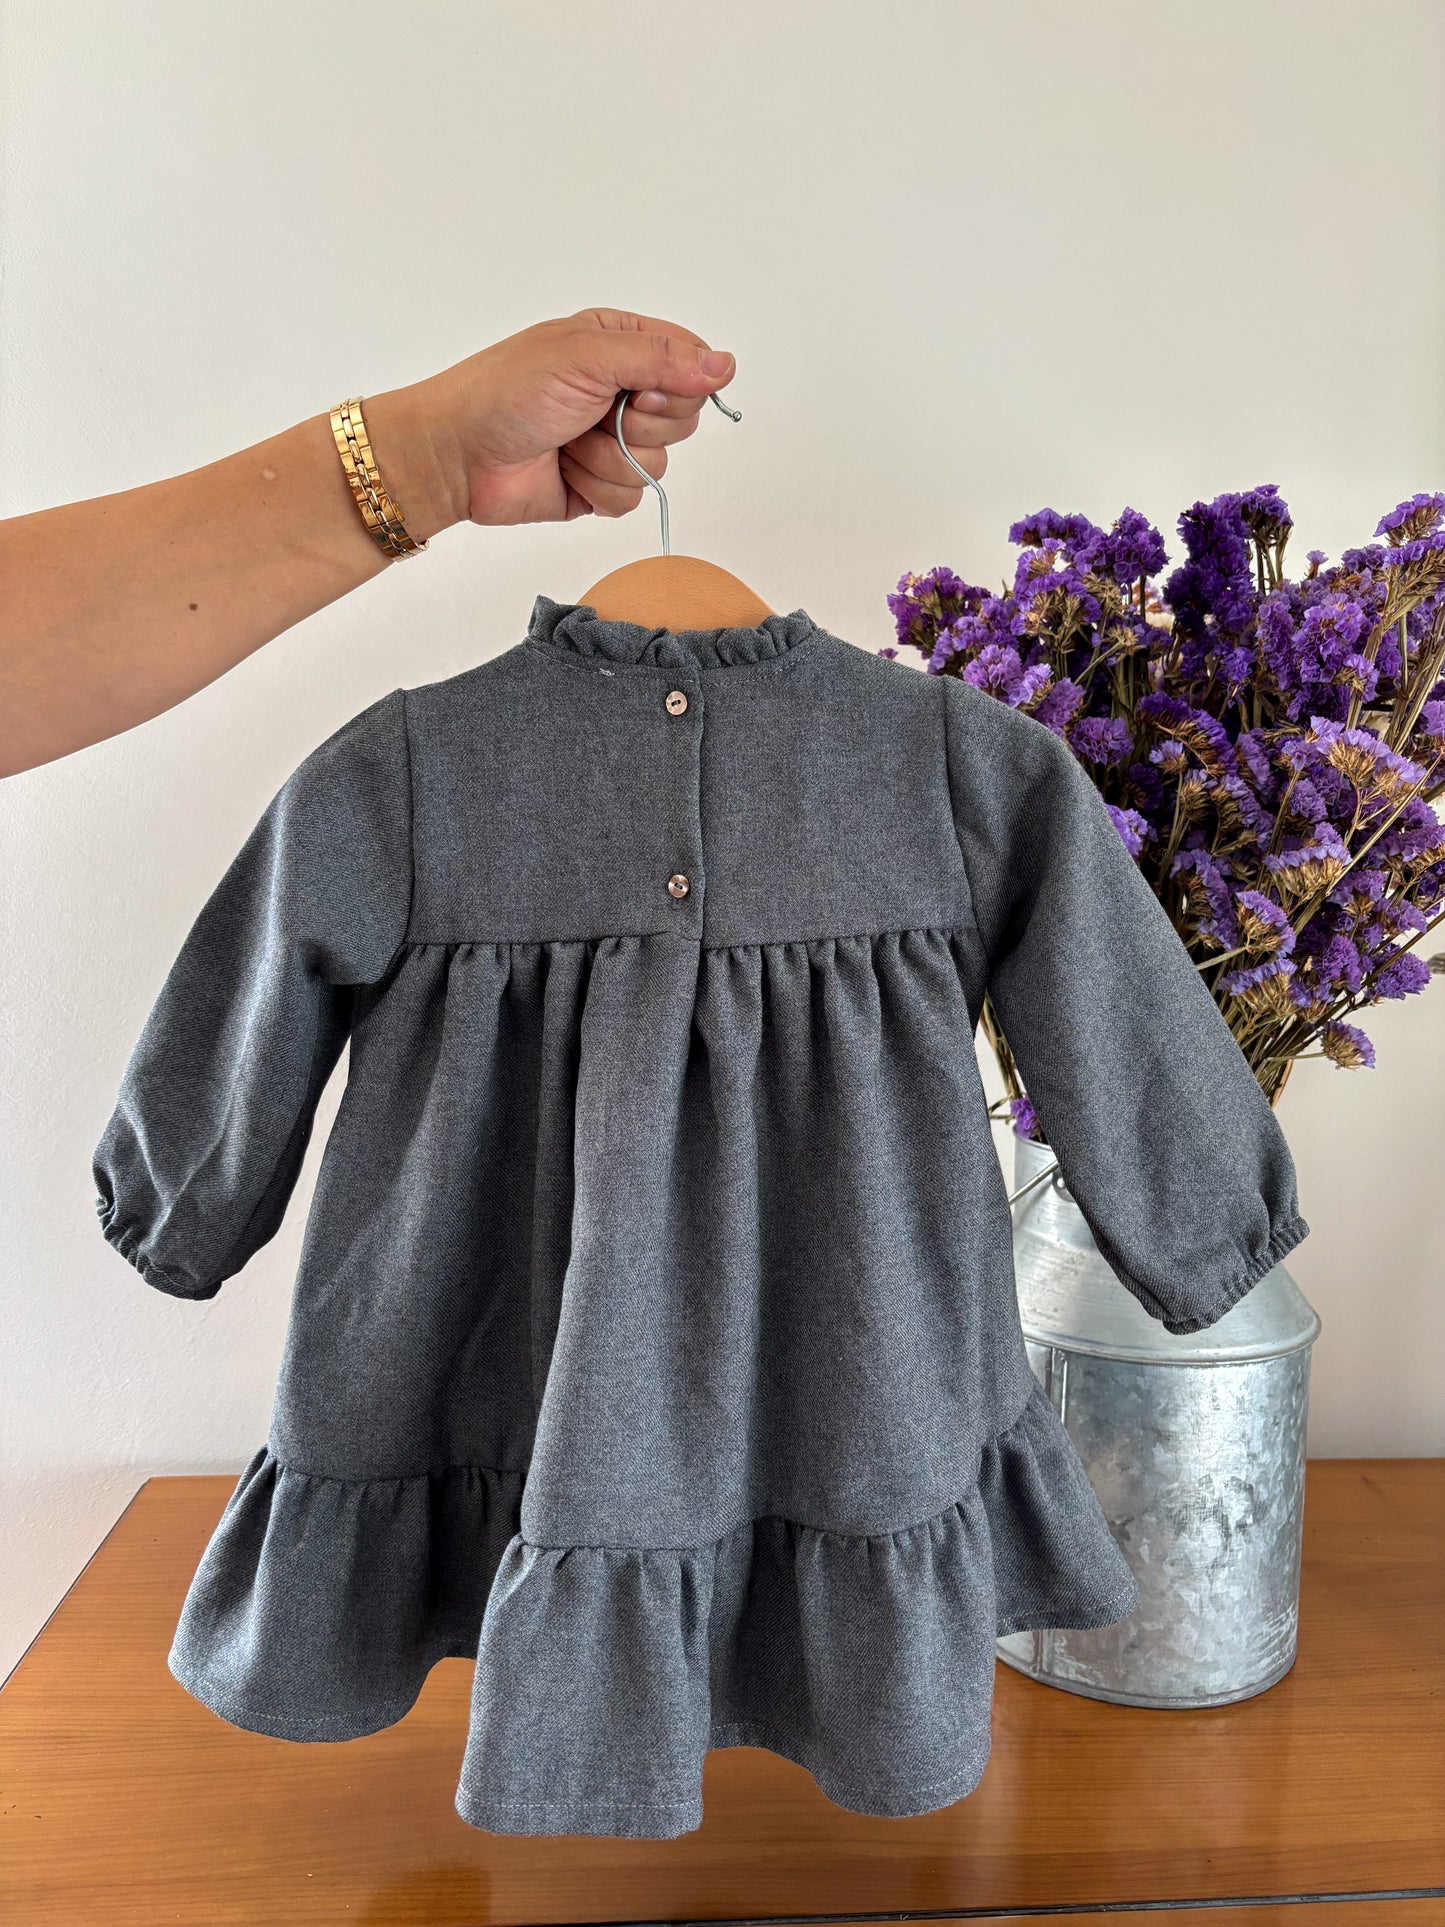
416,456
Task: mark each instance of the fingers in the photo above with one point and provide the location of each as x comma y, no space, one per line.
596,467
648,405
660,359
656,429
657,426
548,394
593,465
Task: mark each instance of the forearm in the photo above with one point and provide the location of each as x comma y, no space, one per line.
119,607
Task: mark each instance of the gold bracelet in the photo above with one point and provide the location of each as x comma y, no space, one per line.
382,516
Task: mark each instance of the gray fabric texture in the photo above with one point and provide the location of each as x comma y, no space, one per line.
654,1342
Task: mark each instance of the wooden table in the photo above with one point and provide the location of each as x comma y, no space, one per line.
122,1800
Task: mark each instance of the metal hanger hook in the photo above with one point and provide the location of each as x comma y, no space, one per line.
734,414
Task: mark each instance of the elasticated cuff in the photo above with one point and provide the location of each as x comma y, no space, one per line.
126,1240
1287,1235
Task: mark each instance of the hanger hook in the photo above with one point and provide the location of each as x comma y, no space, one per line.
734,414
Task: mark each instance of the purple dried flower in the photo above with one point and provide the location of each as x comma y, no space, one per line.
1037,576
1262,988
1035,682
1431,543
1060,705
998,670
1250,976
1242,739
1101,739
1359,891
1262,924
1317,865
1132,548
1216,582
1132,827
1142,787
1275,633
1266,513
1339,966
1305,801
1363,562
1357,672
923,602
1236,666
948,594
1327,635
1358,754
1424,557
1196,729
1208,904
1347,1044
1402,977
1074,535
1395,919
1252,754
954,638
1415,833
1025,1117
1412,518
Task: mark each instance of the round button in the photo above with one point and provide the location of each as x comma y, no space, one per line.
676,702
678,885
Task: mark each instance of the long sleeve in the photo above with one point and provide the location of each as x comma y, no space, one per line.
201,1154
1162,1133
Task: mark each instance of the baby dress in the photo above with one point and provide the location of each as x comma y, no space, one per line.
654,1342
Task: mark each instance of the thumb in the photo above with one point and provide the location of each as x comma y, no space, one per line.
636,351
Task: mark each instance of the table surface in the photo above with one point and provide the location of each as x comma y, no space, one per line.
122,1800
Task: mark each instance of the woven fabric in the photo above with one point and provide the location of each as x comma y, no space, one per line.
654,1343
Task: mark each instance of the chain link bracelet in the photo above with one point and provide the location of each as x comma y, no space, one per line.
382,516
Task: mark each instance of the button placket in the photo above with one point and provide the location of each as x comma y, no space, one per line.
677,703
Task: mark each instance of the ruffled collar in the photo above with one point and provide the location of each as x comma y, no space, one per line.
577,628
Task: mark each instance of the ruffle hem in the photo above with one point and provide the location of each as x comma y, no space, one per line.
321,1603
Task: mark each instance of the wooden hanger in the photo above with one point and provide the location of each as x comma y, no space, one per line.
670,591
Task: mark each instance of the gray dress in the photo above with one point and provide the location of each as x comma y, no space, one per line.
654,1342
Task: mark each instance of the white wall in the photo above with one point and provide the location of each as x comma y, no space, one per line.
972,259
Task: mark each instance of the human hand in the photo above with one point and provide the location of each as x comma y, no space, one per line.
118,607
523,432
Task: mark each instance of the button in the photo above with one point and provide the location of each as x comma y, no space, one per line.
678,885
676,702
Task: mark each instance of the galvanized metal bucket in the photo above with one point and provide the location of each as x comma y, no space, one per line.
1195,1446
